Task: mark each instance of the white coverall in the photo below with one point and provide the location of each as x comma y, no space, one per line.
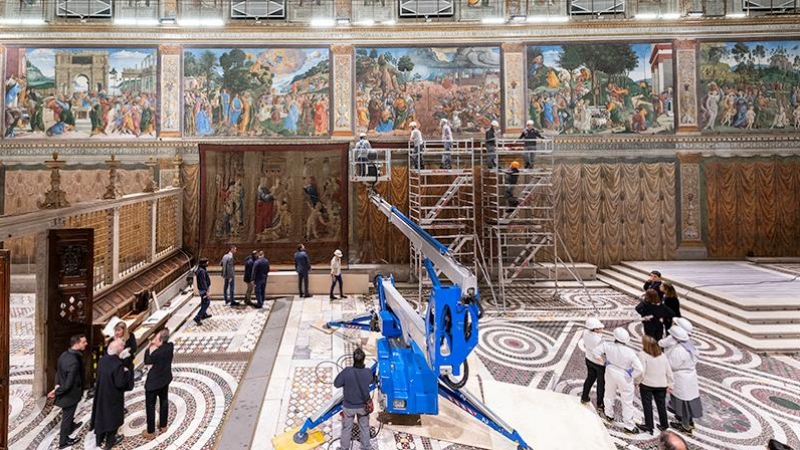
622,366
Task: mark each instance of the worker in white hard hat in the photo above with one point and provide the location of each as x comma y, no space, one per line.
622,367
529,136
447,140
416,143
670,340
491,143
595,366
361,150
685,398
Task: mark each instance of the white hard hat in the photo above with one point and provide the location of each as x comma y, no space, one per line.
413,124
594,324
621,335
495,123
679,333
338,253
443,121
683,323
362,135
530,122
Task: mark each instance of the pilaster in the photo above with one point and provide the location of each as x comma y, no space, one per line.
691,243
686,85
342,90
514,87
170,79
115,246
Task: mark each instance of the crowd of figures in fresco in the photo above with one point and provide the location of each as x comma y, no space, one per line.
81,93
397,86
274,204
750,86
256,92
598,89
573,89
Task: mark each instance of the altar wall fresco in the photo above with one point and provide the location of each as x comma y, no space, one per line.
600,88
80,93
396,86
256,92
749,87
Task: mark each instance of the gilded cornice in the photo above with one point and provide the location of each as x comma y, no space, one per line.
405,33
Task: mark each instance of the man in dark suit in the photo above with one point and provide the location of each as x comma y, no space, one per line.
203,285
302,266
69,387
260,274
159,356
109,397
248,277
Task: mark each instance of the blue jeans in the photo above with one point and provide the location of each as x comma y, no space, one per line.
302,281
261,288
337,279
205,302
225,287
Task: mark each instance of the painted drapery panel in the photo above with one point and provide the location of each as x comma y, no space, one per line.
397,86
249,92
748,86
610,212
753,206
273,197
80,93
600,88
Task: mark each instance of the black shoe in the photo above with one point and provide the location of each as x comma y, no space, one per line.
307,296
248,303
116,441
333,297
207,316
76,425
679,426
69,443
584,402
342,296
236,304
644,428
660,428
125,411
197,321
633,431
608,419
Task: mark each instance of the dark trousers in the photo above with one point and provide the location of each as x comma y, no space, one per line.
261,288
594,372
150,408
205,302
109,437
67,419
337,279
302,280
647,394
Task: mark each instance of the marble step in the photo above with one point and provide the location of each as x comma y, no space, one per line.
765,317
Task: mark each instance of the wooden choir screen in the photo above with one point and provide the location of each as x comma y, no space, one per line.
753,206
5,343
69,295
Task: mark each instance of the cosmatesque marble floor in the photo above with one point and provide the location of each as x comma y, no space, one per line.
531,342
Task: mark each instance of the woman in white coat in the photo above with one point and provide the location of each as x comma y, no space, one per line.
685,400
595,368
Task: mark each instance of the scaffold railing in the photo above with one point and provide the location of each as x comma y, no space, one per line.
374,166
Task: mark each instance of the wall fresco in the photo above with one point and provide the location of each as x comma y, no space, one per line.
396,86
601,88
80,93
249,92
746,86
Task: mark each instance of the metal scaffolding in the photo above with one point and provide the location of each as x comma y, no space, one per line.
519,216
441,198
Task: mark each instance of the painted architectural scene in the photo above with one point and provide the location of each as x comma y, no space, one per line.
248,92
601,88
80,93
282,198
747,86
396,86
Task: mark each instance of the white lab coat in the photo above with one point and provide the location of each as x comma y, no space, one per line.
591,341
684,370
623,367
